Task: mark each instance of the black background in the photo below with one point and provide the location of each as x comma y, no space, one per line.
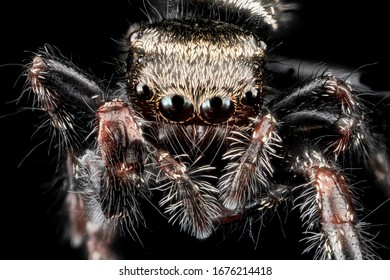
345,33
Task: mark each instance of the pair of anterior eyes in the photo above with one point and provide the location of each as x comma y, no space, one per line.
178,108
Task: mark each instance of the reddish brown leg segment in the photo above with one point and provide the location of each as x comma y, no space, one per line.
336,214
120,143
333,210
245,174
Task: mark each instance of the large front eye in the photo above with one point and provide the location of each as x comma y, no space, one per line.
176,108
217,109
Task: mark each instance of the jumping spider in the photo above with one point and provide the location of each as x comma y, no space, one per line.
197,122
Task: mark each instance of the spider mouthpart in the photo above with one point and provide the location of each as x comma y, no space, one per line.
176,108
217,109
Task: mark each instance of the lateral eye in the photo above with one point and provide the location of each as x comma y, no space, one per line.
143,91
176,108
251,97
217,109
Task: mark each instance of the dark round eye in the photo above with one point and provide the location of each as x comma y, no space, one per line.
143,91
217,109
176,108
256,66
140,59
131,56
251,97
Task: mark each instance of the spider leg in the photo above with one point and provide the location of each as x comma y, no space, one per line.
328,207
69,96
84,229
327,103
75,207
245,175
191,201
276,194
104,183
323,123
120,144
366,111
110,178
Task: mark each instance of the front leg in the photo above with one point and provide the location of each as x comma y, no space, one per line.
245,177
121,146
328,208
103,184
110,178
69,97
191,199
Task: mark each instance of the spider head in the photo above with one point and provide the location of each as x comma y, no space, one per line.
195,72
